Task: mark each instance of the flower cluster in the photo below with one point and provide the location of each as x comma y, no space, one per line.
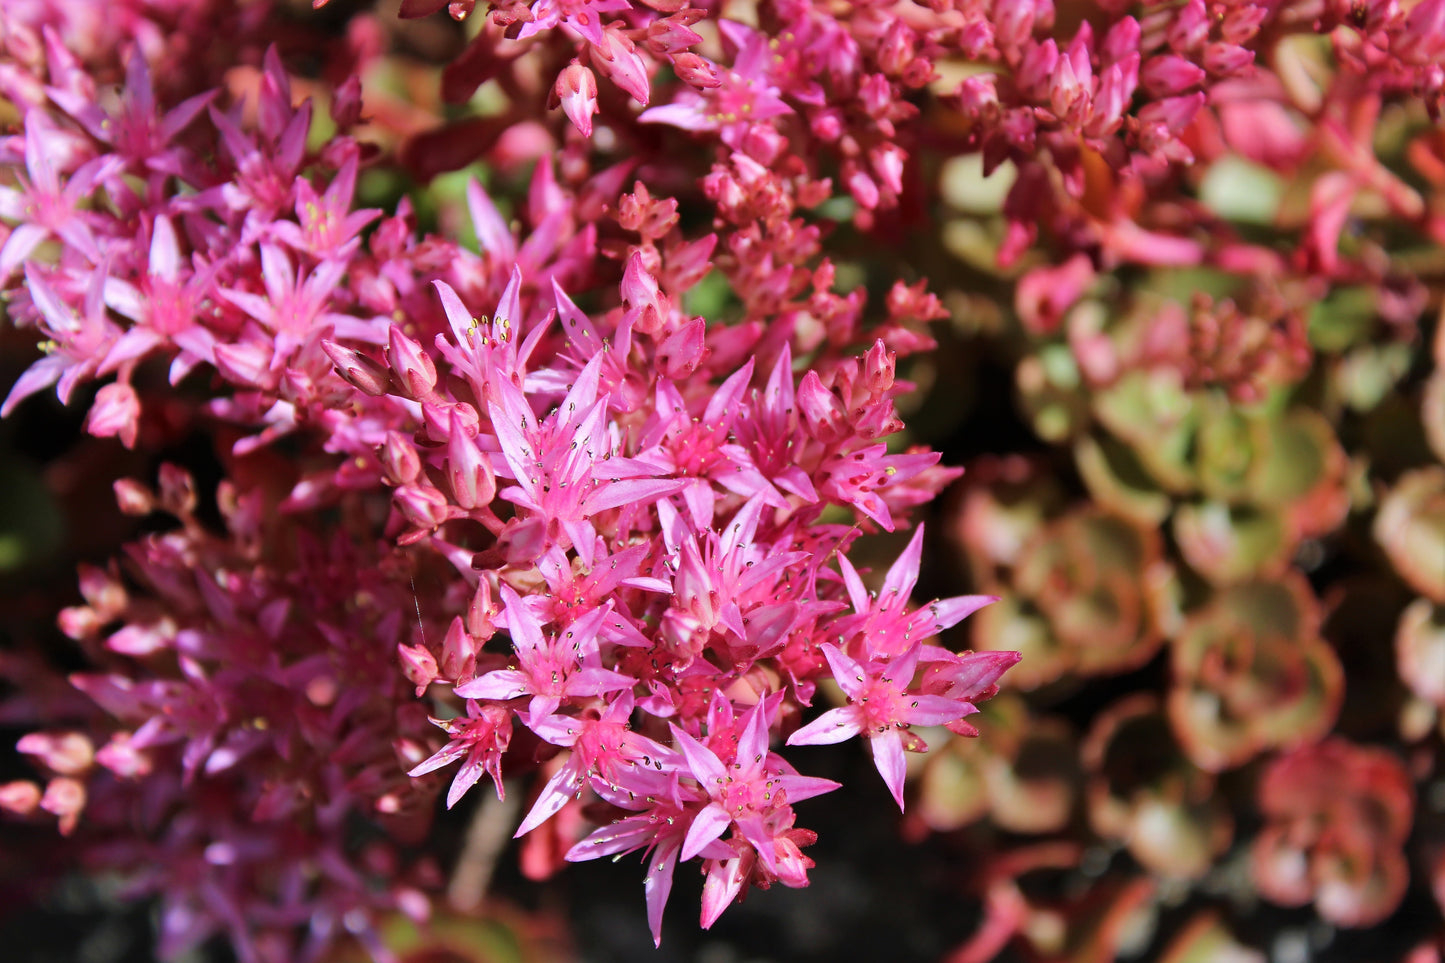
549,395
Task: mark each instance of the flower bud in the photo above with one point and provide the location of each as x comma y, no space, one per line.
399,459
576,90
358,370
20,797
696,71
459,651
1167,75
177,489
472,482
863,189
418,665
346,104
64,797
410,364
670,36
133,498
123,759
115,414
481,611
64,753
424,507
619,60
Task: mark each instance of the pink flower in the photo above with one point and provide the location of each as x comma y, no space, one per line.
480,738
745,794
565,664
880,707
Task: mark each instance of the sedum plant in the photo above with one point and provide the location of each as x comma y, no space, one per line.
435,424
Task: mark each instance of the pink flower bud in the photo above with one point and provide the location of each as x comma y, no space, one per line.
122,758
20,797
481,611
618,59
1173,113
176,489
346,104
1227,59
679,354
418,665
877,95
362,373
64,797
472,483
888,162
411,365
764,143
1190,28
827,124
879,368
399,459
438,420
1036,70
896,50
133,498
1013,23
695,71
423,507
139,641
669,36
64,753
1167,75
863,189
1116,89
1121,40
459,652
79,622
576,90
115,414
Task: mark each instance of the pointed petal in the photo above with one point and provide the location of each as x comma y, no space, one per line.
888,757
831,727
903,574
708,825
561,787
702,762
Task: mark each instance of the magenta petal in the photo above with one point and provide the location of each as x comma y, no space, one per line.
657,884
888,757
831,727
704,765
707,826
933,710
559,789
501,684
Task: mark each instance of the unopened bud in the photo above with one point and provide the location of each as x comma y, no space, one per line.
20,797
418,665
576,91
133,498
425,508
472,482
64,753
696,71
459,652
365,375
399,459
411,365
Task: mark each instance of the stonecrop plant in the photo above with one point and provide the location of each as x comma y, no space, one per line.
473,421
